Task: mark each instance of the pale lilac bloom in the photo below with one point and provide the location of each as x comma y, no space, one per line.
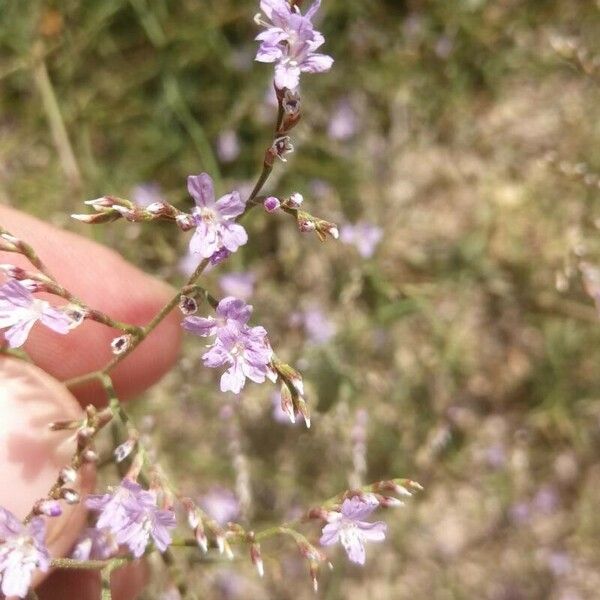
290,40
131,514
319,328
246,353
22,551
228,146
349,527
221,505
95,544
20,311
363,235
231,312
238,284
343,123
145,194
216,229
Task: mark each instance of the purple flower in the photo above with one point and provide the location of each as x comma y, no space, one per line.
231,312
363,235
95,544
290,40
19,311
318,327
239,284
131,514
221,505
216,229
22,551
146,194
228,146
349,527
343,123
245,351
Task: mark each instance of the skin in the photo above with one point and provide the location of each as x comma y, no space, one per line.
32,396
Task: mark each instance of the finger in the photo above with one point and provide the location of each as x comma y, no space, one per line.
31,455
106,282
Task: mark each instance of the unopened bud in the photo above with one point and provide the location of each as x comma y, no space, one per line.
295,200
256,557
90,456
49,508
271,204
287,404
84,435
69,495
185,222
122,451
98,218
67,475
64,425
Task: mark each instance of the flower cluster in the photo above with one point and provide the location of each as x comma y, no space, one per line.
130,513
290,40
244,350
20,311
22,552
349,527
217,234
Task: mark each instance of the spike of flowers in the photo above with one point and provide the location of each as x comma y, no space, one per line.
290,40
22,552
349,527
20,311
131,514
216,229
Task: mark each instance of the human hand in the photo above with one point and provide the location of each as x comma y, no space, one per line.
31,396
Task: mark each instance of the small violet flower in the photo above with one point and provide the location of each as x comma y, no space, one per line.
349,527
363,235
22,551
291,41
244,350
19,312
217,234
131,514
221,505
238,284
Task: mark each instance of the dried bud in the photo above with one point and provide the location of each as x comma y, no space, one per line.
98,218
389,502
49,508
187,305
89,456
122,451
69,495
271,204
185,222
67,475
121,344
281,147
256,557
295,200
84,435
9,243
76,313
287,404
14,272
291,110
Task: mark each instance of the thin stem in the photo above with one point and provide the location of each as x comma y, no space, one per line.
90,565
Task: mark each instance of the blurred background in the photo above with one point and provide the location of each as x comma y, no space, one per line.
451,336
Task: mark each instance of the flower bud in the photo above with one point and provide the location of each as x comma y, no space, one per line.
295,200
271,204
67,475
49,508
69,495
256,557
185,222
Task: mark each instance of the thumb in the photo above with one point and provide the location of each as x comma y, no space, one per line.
31,455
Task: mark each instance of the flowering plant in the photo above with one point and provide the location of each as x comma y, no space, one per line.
138,515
